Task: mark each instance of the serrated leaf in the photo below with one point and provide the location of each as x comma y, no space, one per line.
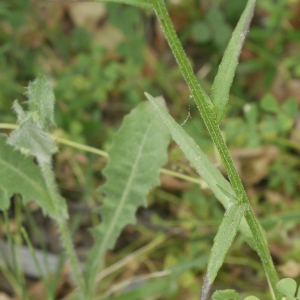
19,175
32,137
227,68
32,140
138,152
139,3
287,287
4,199
226,295
41,101
21,114
222,242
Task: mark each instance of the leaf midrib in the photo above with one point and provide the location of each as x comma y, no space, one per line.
24,176
126,190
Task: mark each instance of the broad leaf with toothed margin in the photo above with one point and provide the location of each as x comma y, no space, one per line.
138,152
227,68
31,137
20,175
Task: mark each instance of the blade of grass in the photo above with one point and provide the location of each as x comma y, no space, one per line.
222,242
227,68
204,167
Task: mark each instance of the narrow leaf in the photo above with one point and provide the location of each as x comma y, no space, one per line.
215,180
138,152
204,167
41,101
139,3
227,68
223,240
20,175
287,287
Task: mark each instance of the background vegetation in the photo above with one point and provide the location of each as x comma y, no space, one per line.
100,59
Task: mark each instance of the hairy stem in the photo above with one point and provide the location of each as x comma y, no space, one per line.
63,226
202,103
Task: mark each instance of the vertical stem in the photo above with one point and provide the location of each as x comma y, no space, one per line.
15,264
202,102
62,226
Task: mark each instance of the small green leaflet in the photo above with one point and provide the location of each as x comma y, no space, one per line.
223,240
20,175
224,78
287,287
139,3
139,150
226,295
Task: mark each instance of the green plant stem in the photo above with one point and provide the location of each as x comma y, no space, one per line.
63,227
213,128
36,262
16,266
105,154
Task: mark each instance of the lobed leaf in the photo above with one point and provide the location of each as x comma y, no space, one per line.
30,139
139,3
222,242
138,152
227,68
20,175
